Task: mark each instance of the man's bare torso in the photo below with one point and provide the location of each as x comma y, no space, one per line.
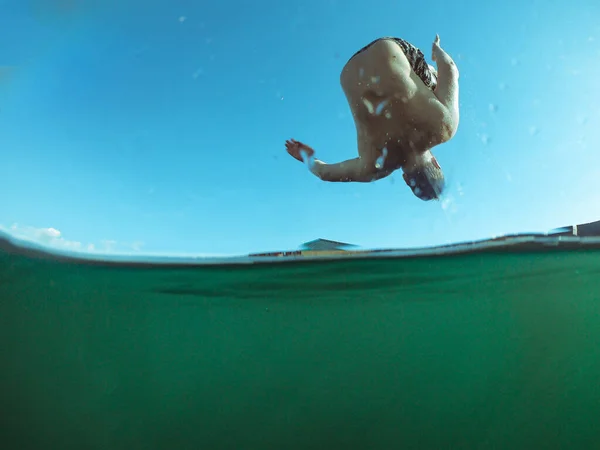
402,108
393,109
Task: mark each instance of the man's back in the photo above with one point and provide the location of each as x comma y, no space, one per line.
391,105
402,108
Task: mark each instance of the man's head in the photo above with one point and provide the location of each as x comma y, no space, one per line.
424,176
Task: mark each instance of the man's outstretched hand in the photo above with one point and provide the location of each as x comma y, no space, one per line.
299,151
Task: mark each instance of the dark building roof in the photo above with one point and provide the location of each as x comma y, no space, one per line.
583,230
324,244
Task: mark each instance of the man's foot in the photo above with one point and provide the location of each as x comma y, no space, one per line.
436,50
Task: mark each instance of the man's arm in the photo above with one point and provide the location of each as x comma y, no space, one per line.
356,170
360,170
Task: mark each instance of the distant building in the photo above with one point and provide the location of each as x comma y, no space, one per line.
583,230
318,247
326,245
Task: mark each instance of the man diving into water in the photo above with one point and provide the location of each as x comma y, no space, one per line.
402,108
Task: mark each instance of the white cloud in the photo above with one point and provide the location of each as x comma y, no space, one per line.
137,246
108,245
52,238
49,237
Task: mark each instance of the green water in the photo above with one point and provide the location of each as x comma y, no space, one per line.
475,351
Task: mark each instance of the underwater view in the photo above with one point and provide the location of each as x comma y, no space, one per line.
488,348
303,225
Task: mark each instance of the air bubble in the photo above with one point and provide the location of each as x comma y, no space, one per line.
533,130
493,108
485,139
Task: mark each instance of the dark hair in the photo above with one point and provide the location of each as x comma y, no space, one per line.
427,182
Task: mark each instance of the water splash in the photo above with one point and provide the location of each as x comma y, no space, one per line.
379,163
376,108
309,160
379,108
449,204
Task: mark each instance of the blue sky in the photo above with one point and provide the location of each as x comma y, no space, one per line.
160,126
